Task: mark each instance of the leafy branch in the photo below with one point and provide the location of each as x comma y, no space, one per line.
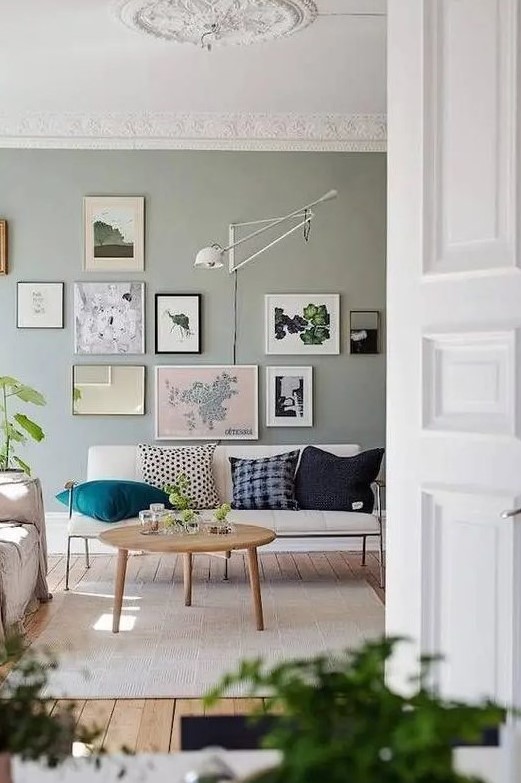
17,428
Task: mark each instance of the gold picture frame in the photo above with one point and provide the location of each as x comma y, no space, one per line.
3,247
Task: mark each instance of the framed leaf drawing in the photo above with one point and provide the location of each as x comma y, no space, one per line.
302,323
178,323
114,233
201,402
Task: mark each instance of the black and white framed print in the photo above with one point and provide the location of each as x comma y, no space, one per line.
109,318
364,331
114,233
303,323
178,323
289,396
39,305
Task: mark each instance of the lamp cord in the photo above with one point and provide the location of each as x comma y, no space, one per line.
234,348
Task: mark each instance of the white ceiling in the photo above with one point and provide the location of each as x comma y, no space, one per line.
74,57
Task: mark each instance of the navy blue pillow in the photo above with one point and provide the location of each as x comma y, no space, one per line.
326,482
111,500
266,483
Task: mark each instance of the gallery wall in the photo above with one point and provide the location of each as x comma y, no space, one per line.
190,198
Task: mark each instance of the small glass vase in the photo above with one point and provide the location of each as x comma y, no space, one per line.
220,527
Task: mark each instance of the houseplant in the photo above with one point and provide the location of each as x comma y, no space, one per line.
341,722
28,729
179,498
16,428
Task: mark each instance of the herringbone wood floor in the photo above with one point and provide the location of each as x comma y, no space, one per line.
153,724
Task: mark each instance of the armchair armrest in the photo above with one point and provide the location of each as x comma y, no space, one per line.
379,484
70,486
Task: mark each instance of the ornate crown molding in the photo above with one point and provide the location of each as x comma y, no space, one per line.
209,131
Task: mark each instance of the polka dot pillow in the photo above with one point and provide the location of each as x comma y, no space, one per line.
159,466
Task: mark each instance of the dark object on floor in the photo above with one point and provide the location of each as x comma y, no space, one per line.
232,732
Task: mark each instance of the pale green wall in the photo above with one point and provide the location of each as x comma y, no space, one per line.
190,199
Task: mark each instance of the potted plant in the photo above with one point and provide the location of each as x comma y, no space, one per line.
28,729
186,519
16,428
221,524
340,722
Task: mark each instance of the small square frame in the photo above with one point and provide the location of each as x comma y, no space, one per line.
299,411
39,305
182,333
364,322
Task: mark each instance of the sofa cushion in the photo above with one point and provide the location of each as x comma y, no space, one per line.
112,500
330,483
309,522
160,466
266,483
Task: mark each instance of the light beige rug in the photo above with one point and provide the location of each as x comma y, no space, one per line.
165,649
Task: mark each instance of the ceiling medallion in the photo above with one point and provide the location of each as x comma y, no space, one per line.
220,22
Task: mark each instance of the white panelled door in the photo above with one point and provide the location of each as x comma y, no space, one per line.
454,321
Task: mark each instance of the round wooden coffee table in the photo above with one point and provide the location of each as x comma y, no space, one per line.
130,538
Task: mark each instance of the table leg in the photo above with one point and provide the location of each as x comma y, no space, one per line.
121,570
253,567
187,577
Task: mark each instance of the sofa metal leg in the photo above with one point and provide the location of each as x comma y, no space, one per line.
227,556
364,548
87,560
68,562
382,559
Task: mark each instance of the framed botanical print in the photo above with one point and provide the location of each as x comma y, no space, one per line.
109,318
201,402
302,323
178,323
39,305
364,331
289,396
114,233
3,247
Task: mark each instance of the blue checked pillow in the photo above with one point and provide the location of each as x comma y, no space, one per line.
265,483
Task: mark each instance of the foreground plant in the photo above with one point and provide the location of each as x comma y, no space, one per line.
339,721
18,428
178,492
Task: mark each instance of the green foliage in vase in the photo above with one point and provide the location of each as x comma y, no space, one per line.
27,727
222,512
188,515
16,429
178,492
341,723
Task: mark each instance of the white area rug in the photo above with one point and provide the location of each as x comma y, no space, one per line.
165,649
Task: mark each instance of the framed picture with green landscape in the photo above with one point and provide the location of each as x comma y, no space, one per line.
114,233
303,323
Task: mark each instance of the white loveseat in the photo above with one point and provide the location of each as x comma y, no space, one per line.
121,462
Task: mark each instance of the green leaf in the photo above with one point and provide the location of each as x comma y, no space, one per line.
33,429
27,394
25,467
8,382
15,434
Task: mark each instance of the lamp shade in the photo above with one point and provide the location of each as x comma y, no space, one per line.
209,257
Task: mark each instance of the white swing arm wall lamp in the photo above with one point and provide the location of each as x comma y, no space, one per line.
211,257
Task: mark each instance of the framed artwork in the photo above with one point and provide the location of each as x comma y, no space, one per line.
178,323
39,305
109,318
3,247
289,396
364,328
108,390
303,323
201,402
114,233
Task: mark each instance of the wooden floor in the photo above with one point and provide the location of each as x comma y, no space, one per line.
153,724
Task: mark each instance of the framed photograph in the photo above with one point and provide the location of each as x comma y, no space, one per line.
289,396
39,305
178,323
3,247
114,233
364,328
303,323
108,390
206,402
109,318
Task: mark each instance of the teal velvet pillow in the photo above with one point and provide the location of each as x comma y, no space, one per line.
111,500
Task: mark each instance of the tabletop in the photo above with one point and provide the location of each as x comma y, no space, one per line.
242,537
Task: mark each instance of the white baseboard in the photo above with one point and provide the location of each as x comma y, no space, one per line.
56,525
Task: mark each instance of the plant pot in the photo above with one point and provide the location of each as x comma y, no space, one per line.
5,768
12,476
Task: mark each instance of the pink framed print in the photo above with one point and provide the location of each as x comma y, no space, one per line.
206,402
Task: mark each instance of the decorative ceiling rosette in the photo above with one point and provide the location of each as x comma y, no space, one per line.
220,22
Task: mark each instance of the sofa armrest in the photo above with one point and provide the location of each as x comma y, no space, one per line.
70,486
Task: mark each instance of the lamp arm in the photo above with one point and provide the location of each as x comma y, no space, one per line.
326,197
274,242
